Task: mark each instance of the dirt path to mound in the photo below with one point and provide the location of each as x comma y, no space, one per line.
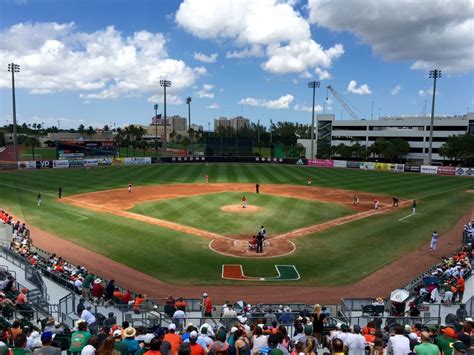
119,201
380,283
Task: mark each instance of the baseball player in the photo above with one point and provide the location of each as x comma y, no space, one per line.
257,188
244,202
260,240
413,206
434,240
129,188
38,199
376,204
356,200
60,192
206,179
395,202
309,181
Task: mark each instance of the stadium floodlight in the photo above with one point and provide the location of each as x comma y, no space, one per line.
434,74
165,84
14,68
313,85
155,106
188,102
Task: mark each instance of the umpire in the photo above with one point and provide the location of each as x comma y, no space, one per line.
260,240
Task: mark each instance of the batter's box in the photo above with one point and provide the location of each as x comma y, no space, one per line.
284,273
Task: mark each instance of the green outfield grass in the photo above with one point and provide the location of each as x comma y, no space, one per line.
341,255
278,214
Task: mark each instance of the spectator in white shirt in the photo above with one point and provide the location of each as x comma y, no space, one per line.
398,344
355,342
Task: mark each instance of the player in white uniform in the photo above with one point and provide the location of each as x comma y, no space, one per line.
434,240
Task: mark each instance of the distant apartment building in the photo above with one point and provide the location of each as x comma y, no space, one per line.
236,123
197,128
178,123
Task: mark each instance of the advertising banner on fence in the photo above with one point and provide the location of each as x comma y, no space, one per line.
137,161
76,163
399,168
353,164
446,170
27,164
382,166
44,164
340,163
60,164
323,163
465,171
412,168
91,162
429,169
366,165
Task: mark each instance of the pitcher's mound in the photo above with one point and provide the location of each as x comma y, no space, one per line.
240,209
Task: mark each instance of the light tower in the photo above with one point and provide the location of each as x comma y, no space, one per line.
165,84
14,68
434,74
188,102
313,85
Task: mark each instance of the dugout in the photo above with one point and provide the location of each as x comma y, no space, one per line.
223,147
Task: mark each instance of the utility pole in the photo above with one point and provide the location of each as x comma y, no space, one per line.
165,84
434,74
188,102
313,85
14,68
156,129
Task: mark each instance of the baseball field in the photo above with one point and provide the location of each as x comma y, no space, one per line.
175,228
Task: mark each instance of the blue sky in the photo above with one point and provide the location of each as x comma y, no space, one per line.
99,62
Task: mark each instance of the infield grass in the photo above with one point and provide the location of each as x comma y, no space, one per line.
341,255
278,214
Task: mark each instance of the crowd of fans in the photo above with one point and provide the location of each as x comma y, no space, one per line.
244,331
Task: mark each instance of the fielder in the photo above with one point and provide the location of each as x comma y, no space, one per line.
244,202
376,204
356,200
434,241
413,206
310,181
38,199
206,179
129,188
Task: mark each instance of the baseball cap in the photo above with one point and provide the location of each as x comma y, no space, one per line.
47,336
117,333
449,332
193,334
204,294
172,326
233,329
460,346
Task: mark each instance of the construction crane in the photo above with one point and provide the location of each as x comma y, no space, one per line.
341,101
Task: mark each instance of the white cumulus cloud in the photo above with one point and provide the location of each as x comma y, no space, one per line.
281,103
317,108
213,106
270,28
395,90
205,92
104,64
433,34
360,90
211,58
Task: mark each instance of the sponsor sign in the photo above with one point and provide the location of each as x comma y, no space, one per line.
63,155
353,164
44,164
323,163
429,169
300,162
340,163
446,170
60,164
382,166
366,165
31,164
137,161
412,168
399,168
76,163
91,162
105,161
464,171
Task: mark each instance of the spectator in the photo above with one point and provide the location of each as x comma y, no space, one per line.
145,345
196,349
119,345
20,345
174,339
80,338
207,306
109,291
47,348
258,340
319,319
137,305
229,316
81,306
398,344
90,348
377,348
90,319
132,343
242,346
87,285
445,340
426,348
355,342
97,290
107,347
220,346
111,320
269,316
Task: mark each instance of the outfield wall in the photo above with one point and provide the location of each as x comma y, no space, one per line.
323,163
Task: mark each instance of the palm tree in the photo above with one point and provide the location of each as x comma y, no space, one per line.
32,142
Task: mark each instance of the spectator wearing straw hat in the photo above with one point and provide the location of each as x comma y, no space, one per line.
132,344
